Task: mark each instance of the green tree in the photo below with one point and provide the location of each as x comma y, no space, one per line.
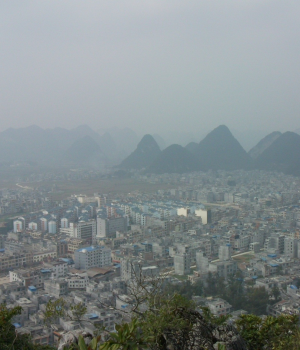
162,314
276,294
81,345
186,289
10,339
213,319
128,336
257,300
211,285
198,288
173,321
221,287
60,308
234,293
270,333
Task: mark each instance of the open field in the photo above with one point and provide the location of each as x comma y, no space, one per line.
7,183
89,187
243,258
9,216
181,277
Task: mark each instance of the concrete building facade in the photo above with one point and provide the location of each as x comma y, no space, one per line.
94,256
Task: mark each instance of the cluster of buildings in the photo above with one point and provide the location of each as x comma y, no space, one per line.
89,249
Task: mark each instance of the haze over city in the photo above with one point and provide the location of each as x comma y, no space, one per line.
153,66
149,175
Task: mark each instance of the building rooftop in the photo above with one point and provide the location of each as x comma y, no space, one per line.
89,249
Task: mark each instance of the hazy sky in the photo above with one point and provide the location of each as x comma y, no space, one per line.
150,65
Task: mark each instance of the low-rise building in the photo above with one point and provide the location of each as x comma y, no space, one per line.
77,281
219,306
56,287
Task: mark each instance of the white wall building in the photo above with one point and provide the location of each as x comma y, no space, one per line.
182,263
58,268
77,281
225,252
290,247
109,226
202,262
44,224
18,226
219,307
40,256
52,227
70,231
94,256
33,226
205,215
183,211
64,223
86,230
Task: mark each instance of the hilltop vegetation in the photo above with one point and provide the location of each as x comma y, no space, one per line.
177,325
169,321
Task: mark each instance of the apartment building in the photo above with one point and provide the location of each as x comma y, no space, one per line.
94,256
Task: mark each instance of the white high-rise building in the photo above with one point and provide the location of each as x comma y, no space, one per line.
100,201
205,215
64,223
70,231
86,230
52,227
44,224
94,256
182,263
109,226
33,226
290,247
202,262
183,211
130,268
225,252
18,226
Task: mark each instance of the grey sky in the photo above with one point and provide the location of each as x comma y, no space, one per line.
150,65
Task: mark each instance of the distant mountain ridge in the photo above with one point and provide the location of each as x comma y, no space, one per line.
264,144
174,159
160,141
49,146
220,150
192,147
297,131
282,155
84,150
146,151
125,140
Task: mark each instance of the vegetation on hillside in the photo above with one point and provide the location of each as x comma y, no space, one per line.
239,294
10,339
172,321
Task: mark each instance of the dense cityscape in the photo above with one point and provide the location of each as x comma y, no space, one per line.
149,175
87,248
